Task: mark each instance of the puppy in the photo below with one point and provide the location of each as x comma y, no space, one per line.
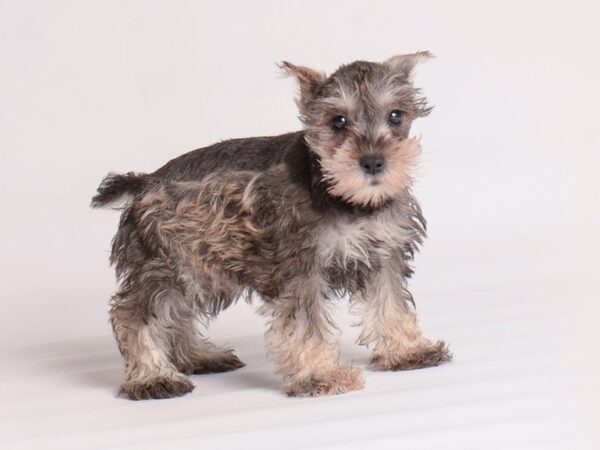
295,220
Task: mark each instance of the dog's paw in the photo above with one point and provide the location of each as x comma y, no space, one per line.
222,362
427,355
337,380
157,387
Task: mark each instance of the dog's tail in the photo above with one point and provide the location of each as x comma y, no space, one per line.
116,189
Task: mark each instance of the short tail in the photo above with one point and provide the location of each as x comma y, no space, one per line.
116,188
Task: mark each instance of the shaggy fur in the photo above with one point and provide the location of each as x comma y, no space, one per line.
296,219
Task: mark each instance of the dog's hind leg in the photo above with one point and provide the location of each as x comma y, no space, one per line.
190,351
145,316
193,354
144,345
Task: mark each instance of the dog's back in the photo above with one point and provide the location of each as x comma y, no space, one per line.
253,154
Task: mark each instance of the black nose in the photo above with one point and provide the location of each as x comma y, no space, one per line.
372,164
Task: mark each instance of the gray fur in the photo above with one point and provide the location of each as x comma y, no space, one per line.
292,218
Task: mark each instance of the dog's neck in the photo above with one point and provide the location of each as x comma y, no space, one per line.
305,168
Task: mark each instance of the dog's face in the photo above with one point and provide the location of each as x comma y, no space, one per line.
357,121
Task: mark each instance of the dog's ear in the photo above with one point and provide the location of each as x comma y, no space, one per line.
405,64
308,80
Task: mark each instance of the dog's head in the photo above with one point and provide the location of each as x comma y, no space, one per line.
357,121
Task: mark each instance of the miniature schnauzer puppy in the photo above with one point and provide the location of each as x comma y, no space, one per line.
296,219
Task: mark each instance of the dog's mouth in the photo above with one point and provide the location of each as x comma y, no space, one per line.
374,180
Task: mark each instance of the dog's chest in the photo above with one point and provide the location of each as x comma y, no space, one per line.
352,244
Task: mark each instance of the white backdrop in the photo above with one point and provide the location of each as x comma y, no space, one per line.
509,185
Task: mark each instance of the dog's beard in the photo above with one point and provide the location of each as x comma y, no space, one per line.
347,180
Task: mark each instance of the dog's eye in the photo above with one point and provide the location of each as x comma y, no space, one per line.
339,122
395,117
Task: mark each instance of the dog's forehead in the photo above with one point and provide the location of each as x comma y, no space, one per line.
351,78
358,72
364,82
365,73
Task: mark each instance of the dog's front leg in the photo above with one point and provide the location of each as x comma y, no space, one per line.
302,341
388,321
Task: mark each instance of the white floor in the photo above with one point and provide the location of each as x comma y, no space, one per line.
524,377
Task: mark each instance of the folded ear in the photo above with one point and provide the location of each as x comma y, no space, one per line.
308,80
405,64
